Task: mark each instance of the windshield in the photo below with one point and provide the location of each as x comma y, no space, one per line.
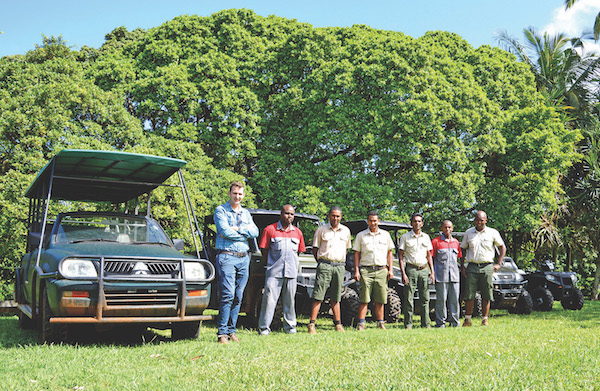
98,228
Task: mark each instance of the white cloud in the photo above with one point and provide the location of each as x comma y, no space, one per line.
576,20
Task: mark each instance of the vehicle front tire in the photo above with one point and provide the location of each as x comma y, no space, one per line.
574,301
393,308
542,299
524,303
50,332
349,307
477,306
185,330
25,322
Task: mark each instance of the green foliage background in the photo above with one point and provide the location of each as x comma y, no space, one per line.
362,118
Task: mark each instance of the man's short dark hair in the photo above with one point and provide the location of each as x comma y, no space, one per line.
415,215
334,208
236,184
373,213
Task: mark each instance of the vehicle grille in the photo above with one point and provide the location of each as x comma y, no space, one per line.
119,266
141,298
510,286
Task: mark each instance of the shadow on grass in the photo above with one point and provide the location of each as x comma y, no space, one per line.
13,336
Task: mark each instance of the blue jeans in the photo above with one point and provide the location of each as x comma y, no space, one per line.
446,305
233,276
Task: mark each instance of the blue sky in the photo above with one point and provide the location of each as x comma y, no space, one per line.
86,22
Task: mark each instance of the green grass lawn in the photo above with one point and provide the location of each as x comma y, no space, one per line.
559,350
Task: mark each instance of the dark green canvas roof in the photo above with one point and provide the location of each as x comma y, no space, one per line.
86,175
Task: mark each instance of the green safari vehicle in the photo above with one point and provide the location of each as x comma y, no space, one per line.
107,268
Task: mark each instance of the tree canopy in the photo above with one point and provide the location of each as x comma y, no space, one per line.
374,119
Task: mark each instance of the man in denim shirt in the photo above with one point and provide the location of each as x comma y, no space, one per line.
234,228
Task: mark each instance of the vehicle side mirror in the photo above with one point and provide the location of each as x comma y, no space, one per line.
179,245
33,239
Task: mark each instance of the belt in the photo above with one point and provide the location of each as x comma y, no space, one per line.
373,267
480,264
332,263
234,253
416,267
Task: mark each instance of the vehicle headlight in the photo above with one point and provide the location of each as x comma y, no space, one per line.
194,271
78,268
550,277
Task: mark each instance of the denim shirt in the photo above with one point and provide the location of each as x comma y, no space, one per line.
229,239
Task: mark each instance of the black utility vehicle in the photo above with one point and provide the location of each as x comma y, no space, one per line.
547,285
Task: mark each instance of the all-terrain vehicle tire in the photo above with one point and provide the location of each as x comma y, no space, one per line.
51,332
349,307
393,309
542,299
477,306
524,304
185,330
574,301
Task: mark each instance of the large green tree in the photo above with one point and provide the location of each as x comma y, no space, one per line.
354,116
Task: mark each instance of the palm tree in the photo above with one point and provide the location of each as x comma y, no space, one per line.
586,193
570,3
564,72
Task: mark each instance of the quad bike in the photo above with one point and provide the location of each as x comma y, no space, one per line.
547,285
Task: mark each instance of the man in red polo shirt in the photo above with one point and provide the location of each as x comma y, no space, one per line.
446,252
280,245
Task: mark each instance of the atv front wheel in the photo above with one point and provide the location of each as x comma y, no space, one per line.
349,307
524,303
574,301
542,299
393,308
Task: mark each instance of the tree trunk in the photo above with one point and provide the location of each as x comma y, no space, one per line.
569,258
516,244
596,279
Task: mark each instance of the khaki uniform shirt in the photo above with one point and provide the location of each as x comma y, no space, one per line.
481,245
415,248
332,243
373,247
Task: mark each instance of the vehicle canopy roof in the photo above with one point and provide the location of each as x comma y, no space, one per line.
113,176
